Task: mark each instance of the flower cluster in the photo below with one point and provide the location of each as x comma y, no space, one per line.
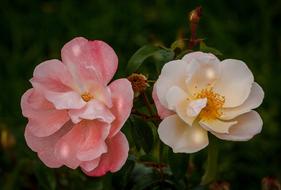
75,112
200,93
74,116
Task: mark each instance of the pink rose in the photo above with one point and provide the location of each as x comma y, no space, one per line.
74,118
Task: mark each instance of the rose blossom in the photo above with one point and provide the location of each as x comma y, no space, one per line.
74,116
199,93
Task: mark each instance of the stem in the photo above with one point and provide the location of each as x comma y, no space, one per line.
194,18
146,101
212,162
145,116
149,108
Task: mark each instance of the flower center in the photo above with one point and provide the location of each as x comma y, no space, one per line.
87,96
214,104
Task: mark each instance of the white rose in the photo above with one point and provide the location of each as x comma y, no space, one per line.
200,93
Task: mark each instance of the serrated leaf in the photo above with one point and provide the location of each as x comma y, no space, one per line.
142,134
207,49
145,52
178,163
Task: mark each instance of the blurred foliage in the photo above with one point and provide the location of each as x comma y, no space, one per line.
33,31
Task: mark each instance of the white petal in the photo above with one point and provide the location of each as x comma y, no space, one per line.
234,83
200,56
172,74
249,124
181,137
203,70
182,113
253,101
194,107
174,96
217,125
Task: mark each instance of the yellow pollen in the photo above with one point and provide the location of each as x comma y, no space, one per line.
87,96
214,104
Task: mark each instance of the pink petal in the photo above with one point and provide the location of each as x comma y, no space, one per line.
90,165
84,142
93,110
115,157
101,93
66,100
122,103
91,60
32,101
44,146
43,118
53,79
162,111
53,75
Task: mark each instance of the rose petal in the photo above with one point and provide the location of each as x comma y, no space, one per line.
248,125
200,57
172,74
90,165
181,137
234,83
253,101
122,103
55,82
217,125
189,110
101,93
43,118
90,60
115,157
32,101
194,107
53,75
93,110
174,96
161,110
44,146
67,100
203,70
84,142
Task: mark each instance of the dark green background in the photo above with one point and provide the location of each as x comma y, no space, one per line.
33,31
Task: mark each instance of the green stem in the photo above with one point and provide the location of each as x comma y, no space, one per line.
212,162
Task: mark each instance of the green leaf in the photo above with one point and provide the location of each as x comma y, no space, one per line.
145,52
146,181
212,162
142,134
122,178
93,183
207,49
181,43
178,163
46,177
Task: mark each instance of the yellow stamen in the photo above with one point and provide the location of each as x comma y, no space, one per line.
87,96
214,104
